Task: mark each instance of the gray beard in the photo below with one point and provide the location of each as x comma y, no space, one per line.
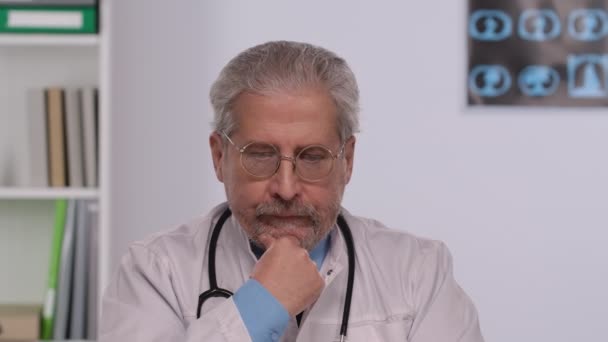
295,208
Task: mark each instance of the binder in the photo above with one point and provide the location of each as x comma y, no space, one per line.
41,3
56,134
89,128
49,19
38,141
78,310
93,270
66,264
48,312
73,123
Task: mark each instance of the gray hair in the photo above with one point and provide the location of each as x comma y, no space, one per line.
286,66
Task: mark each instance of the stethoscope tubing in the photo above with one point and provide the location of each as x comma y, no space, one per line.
350,251
214,290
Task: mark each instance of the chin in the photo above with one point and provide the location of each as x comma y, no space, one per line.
306,235
280,218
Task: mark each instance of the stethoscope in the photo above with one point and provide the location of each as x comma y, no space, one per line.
215,291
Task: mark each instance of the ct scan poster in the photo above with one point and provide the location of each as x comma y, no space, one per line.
538,53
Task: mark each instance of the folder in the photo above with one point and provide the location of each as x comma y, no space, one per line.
64,285
90,133
48,312
93,269
74,134
56,134
48,19
38,140
78,305
41,3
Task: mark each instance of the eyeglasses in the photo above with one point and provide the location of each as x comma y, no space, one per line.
262,160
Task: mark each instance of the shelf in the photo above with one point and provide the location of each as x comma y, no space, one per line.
49,40
42,193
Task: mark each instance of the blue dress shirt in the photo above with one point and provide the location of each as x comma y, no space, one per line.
264,316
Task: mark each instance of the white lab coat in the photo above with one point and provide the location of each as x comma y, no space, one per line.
404,289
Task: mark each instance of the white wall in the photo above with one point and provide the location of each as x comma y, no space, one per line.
519,195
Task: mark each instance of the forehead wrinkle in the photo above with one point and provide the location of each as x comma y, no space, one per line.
295,120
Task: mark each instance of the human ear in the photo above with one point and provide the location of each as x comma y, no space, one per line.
217,154
349,156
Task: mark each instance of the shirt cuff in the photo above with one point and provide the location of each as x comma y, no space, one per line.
264,316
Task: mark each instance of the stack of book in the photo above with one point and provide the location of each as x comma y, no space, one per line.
63,137
70,308
49,16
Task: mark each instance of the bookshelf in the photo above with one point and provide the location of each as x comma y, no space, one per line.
47,193
48,40
33,62
26,212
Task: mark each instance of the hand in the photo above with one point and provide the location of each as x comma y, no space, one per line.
288,273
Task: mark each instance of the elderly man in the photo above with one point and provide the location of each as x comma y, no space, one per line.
282,260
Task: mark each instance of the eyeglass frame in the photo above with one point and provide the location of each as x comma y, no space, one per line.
282,157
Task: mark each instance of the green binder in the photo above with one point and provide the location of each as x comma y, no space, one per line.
41,20
48,312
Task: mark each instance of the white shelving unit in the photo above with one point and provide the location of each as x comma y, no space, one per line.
48,40
46,193
26,213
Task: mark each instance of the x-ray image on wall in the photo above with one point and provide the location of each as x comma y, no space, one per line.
538,53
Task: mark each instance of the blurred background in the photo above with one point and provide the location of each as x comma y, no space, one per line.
518,193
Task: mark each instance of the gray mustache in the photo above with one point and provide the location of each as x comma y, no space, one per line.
285,208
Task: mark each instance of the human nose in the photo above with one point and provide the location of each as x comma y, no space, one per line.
285,182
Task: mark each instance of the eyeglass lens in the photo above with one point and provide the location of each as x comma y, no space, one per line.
263,160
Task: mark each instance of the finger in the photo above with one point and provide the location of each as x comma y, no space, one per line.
267,240
292,240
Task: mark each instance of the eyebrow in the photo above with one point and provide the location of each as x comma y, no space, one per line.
297,148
